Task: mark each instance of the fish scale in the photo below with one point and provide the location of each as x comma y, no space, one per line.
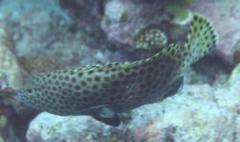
103,91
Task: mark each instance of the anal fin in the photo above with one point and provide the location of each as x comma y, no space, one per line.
113,121
174,87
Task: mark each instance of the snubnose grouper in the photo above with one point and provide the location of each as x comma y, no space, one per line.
103,91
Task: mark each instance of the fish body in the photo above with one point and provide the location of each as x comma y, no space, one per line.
117,87
103,91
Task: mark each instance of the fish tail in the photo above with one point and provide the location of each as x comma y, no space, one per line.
200,41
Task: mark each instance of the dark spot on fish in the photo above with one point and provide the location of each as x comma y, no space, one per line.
84,83
54,76
38,95
126,69
48,75
206,37
70,85
74,80
49,81
95,87
104,85
100,69
60,101
60,77
173,52
120,74
80,74
150,68
116,83
113,91
66,78
90,71
85,99
77,87
208,24
107,71
142,71
86,92
63,83
43,87
97,78
113,69
107,78
89,79
48,87
133,73
72,72
113,76
54,88
57,82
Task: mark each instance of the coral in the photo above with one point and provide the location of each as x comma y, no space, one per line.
150,38
9,66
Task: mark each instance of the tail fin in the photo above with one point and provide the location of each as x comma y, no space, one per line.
200,40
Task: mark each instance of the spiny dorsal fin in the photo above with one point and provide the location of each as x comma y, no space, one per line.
200,40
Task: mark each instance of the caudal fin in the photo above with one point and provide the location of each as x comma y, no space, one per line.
200,40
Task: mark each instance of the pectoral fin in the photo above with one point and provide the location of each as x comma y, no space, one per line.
103,113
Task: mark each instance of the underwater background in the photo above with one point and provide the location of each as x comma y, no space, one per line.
47,35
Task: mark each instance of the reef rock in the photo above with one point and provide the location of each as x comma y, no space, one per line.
10,71
51,128
187,117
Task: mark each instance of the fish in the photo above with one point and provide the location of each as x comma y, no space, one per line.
104,91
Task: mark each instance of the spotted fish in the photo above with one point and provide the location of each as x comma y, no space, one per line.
103,91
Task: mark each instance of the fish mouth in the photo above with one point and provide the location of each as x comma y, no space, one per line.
20,96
